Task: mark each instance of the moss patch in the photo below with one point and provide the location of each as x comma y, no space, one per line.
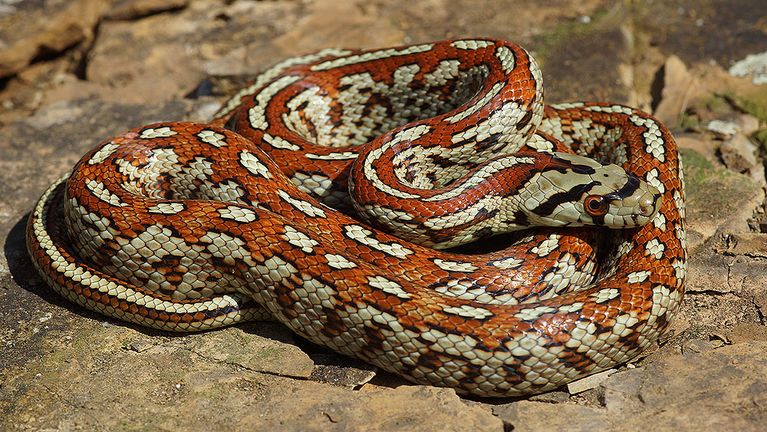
712,189
548,41
754,103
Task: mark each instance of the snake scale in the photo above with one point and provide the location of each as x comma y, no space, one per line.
282,207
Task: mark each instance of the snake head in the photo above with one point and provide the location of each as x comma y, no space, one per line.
578,191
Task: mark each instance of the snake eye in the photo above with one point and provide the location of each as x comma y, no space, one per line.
596,205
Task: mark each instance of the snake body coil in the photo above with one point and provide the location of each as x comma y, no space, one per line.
184,226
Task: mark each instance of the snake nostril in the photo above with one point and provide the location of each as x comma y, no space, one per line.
648,205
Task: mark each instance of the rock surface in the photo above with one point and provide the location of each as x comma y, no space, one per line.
78,71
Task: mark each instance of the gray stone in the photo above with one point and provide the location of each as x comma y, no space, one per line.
724,129
754,66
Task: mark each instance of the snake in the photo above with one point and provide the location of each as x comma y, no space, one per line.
418,207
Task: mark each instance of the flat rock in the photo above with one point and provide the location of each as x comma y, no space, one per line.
275,354
678,85
718,389
713,389
589,382
739,155
29,33
341,371
528,416
749,244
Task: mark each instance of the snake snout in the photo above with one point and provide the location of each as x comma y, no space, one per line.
636,202
649,203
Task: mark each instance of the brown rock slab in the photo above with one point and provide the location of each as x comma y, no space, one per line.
702,144
753,245
30,33
329,24
678,85
746,332
527,416
253,352
404,408
747,124
717,389
151,68
133,9
341,371
86,386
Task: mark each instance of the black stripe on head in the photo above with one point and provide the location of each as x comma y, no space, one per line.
628,189
583,169
568,165
574,194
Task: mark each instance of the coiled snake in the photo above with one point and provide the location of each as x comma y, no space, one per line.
184,226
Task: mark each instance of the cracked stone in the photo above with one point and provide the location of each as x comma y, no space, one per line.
340,371
544,416
749,244
254,352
